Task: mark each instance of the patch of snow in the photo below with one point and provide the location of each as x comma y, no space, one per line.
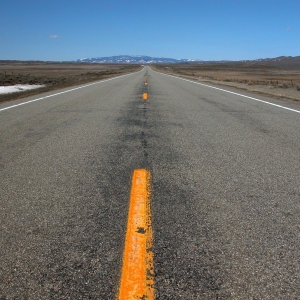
18,88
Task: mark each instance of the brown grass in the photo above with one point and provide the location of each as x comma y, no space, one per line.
55,75
270,80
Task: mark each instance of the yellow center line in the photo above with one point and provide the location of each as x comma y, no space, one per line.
137,279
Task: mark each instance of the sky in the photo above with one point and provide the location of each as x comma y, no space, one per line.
64,30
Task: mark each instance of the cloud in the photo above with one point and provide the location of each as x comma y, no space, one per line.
54,36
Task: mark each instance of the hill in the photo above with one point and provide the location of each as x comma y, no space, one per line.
132,59
281,61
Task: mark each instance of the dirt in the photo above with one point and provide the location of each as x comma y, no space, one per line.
55,75
282,83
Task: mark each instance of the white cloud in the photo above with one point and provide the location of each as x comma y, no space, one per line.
54,36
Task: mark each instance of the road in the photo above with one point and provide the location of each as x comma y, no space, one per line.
225,173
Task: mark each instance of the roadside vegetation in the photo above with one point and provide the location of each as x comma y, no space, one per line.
55,75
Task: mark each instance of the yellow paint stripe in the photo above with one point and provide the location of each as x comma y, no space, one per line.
145,96
137,279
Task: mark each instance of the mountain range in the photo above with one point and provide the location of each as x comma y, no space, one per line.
132,59
281,61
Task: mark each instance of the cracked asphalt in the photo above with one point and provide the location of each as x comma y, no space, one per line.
225,191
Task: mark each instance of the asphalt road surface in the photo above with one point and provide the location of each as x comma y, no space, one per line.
225,197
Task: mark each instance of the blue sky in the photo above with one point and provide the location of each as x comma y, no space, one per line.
197,29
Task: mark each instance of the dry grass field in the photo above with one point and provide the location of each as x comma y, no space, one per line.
283,81
55,75
279,81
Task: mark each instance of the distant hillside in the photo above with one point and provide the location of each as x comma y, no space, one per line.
281,61
132,59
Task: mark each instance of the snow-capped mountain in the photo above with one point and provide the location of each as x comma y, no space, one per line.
132,59
281,61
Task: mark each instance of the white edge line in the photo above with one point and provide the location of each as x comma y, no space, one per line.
284,107
77,88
